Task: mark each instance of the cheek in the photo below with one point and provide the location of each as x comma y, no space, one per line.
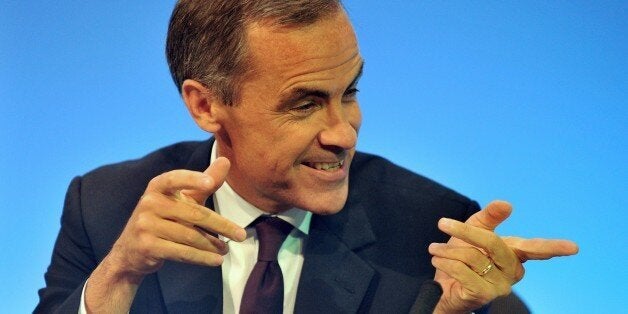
355,117
294,141
278,153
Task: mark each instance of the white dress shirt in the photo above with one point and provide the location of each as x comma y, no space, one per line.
242,256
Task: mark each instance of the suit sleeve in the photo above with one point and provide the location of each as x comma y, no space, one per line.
473,208
72,259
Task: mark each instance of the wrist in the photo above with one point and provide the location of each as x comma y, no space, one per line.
441,309
111,288
116,269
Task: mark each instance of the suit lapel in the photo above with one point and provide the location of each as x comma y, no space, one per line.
334,278
190,288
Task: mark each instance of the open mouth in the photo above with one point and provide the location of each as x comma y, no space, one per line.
325,166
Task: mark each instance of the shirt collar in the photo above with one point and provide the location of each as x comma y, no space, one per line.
232,206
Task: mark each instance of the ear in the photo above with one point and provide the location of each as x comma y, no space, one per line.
203,104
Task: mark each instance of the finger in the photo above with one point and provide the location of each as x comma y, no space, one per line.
497,250
217,170
491,216
540,249
474,259
171,182
477,236
469,255
191,236
186,254
476,290
192,214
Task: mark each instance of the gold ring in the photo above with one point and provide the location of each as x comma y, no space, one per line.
486,269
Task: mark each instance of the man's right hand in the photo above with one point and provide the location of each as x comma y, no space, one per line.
169,222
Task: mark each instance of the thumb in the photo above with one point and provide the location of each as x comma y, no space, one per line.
491,216
218,171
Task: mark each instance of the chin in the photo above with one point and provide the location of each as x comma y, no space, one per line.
325,203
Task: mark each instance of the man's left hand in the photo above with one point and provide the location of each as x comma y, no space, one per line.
475,266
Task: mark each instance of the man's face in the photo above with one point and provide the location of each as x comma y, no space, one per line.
292,136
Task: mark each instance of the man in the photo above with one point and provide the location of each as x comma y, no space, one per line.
276,84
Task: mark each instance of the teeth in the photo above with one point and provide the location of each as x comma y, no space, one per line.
326,166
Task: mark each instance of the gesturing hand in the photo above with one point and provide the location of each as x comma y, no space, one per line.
475,266
169,222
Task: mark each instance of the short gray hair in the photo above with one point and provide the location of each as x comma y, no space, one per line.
207,38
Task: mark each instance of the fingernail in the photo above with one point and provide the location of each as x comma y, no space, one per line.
240,235
446,223
219,260
225,249
433,246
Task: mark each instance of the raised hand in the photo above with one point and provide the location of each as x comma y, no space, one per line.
169,222
475,266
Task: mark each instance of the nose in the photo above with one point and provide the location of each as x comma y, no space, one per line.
342,129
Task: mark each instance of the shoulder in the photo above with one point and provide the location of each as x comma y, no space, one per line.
371,174
105,197
395,196
402,210
141,170
171,157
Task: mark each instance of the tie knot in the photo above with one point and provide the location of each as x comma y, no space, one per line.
271,232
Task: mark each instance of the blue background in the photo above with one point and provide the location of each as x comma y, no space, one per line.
522,101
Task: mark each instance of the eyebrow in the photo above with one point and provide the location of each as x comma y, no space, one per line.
300,93
357,76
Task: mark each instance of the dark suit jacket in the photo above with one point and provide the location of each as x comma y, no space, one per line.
370,257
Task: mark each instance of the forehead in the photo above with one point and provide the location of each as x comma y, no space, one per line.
324,50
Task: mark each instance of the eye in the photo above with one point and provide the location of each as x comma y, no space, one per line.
306,108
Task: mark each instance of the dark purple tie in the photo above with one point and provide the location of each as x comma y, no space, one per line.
263,292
